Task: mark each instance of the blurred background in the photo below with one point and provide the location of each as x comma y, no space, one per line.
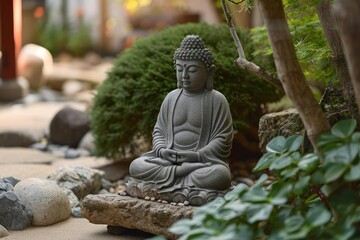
108,26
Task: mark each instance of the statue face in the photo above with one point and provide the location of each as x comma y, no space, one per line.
192,75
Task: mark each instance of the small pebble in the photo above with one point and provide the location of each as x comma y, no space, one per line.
159,200
147,198
173,203
122,193
180,204
186,203
163,201
112,190
152,199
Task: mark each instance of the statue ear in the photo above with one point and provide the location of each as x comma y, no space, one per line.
210,80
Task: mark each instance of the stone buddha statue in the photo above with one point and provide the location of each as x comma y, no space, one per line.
192,137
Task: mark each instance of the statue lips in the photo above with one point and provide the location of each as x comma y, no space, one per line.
185,82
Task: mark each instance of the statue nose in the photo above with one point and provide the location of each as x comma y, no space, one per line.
185,74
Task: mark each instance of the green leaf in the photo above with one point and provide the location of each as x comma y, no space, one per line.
334,172
309,162
236,192
294,223
256,194
302,185
289,172
317,178
318,215
345,153
355,137
264,162
280,192
276,145
181,227
261,180
281,162
353,174
237,207
293,143
258,212
344,128
327,138
312,199
198,234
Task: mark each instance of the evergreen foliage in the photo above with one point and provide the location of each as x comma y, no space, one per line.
311,47
128,102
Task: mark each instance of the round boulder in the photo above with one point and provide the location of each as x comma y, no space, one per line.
68,127
47,202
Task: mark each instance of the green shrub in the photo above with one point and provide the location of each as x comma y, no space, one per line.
308,200
128,101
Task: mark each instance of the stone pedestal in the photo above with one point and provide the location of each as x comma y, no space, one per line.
148,216
13,89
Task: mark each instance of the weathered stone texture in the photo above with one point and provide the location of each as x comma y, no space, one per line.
284,123
148,216
79,179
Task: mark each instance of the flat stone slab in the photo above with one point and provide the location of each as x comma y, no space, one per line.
125,211
25,155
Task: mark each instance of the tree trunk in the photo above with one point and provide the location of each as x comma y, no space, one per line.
290,72
328,24
347,14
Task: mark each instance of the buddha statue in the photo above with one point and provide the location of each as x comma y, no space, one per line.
192,137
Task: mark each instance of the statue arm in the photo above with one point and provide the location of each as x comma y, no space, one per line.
160,128
218,148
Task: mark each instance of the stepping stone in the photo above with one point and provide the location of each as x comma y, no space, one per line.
25,155
133,213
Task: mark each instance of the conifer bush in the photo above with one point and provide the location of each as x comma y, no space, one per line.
127,103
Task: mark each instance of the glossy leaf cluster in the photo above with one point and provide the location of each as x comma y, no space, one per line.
308,199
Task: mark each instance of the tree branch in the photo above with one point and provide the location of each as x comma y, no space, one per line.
241,61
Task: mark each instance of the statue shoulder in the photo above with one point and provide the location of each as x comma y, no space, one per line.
218,96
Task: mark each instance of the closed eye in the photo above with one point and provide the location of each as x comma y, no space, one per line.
193,69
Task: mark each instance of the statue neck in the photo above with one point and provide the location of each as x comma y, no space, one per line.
187,93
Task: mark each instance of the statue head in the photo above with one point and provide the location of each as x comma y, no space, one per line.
193,60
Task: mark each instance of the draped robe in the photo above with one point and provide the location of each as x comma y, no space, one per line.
214,146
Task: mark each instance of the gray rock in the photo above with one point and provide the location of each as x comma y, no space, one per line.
72,153
13,214
3,232
5,186
39,146
47,202
19,138
74,202
148,216
11,180
79,179
68,127
76,212
87,143
284,123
